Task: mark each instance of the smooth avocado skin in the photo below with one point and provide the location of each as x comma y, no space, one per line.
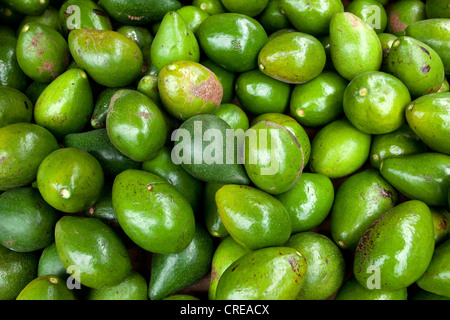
133,287
353,290
436,34
437,9
252,277
399,258
354,46
66,104
403,13
23,147
135,125
226,252
272,19
50,263
233,115
170,273
11,74
193,16
400,142
29,7
48,287
12,283
325,265
188,88
422,176
15,106
311,17
213,222
292,57
232,40
42,52
210,6
429,118
120,62
435,279
441,221
89,13
92,250
386,40
319,101
371,12
360,200
152,212
375,102
417,65
26,220
339,149
162,165
250,8
267,223
309,201
274,158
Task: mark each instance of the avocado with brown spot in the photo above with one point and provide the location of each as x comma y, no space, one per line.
403,13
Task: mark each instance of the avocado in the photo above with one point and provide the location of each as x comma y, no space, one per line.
370,11
48,287
352,290
213,222
50,263
11,74
403,13
227,79
28,7
15,106
76,14
272,18
193,16
233,115
133,287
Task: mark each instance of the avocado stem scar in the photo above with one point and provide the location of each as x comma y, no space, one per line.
25,28
64,193
363,92
53,280
149,187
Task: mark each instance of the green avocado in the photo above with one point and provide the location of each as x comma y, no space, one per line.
213,222
70,179
425,295
445,86
23,146
311,17
227,252
152,212
210,6
403,13
97,143
110,58
421,176
437,9
148,85
140,35
48,287
258,93
42,52
92,251
429,118
375,102
15,106
352,290
138,12
441,221
396,249
162,165
28,7
339,149
233,115
76,14
309,201
360,200
193,16
66,104
133,287
104,211
371,12
49,17
250,8
207,148
188,88
293,126
436,34
181,297
402,141
274,273
232,40
254,218
174,41
26,220
272,18
319,101
135,125
386,40
435,279
102,101
170,273
10,17
226,78
11,74
50,263
292,57
354,45
34,90
25,264
417,65
273,157
326,265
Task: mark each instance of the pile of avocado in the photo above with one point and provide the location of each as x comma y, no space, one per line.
224,150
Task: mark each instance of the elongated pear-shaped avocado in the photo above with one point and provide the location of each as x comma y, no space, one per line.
254,218
206,147
275,273
429,118
66,104
152,212
48,287
172,272
417,65
422,176
396,249
109,58
92,252
354,45
174,41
